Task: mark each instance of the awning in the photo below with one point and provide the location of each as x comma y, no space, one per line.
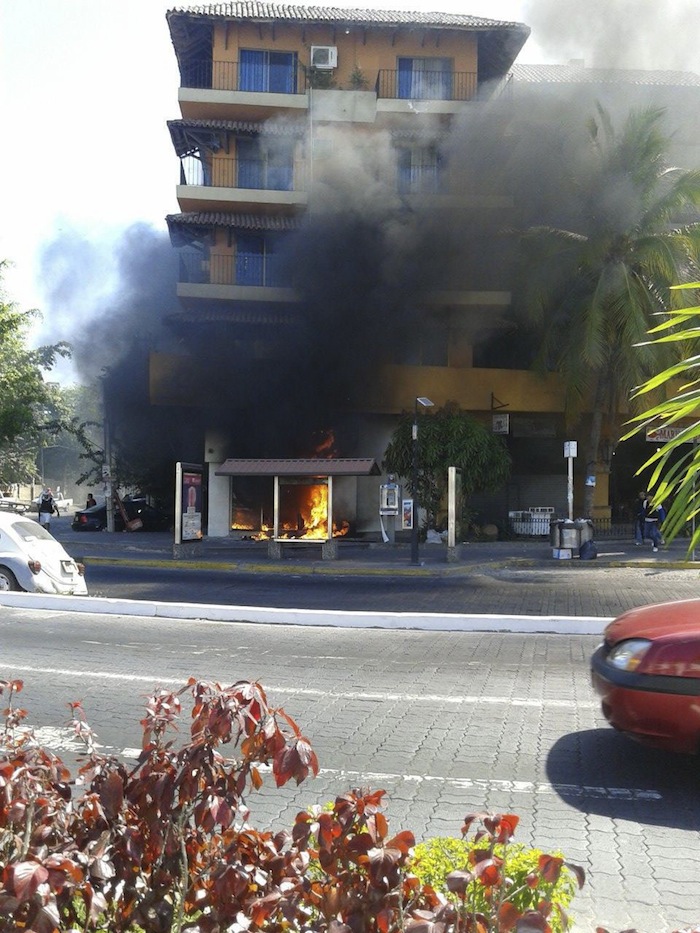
317,466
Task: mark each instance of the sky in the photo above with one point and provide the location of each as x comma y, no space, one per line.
86,88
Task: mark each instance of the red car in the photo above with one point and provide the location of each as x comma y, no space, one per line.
647,673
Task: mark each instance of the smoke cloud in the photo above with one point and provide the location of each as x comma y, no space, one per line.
622,34
364,260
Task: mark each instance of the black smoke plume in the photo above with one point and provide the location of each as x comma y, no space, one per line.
364,262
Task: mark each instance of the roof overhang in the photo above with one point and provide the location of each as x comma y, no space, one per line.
500,41
190,136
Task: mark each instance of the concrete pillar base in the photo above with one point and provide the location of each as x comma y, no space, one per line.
454,554
188,550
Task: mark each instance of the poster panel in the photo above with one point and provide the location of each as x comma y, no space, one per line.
189,500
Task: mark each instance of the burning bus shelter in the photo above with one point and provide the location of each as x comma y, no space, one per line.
302,498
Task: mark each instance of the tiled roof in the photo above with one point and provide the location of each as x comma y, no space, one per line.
317,466
188,136
235,315
579,74
240,221
269,127
321,14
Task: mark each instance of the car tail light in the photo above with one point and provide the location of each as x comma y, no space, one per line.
82,519
81,568
34,566
629,654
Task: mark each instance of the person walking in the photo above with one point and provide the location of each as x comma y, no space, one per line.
90,501
653,515
47,506
639,510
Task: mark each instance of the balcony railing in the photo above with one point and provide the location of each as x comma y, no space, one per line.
245,269
427,85
259,174
231,76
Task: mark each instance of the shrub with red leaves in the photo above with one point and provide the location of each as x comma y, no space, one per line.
166,845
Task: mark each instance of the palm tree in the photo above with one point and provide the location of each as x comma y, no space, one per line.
676,463
591,289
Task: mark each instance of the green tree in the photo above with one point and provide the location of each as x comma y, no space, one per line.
73,446
449,437
675,396
26,400
593,286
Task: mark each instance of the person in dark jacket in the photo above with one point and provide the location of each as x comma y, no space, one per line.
653,516
639,510
47,506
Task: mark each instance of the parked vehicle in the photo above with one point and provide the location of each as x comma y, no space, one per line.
11,504
95,518
33,560
647,673
61,503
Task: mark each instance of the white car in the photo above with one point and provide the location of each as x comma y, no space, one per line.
63,505
10,504
32,560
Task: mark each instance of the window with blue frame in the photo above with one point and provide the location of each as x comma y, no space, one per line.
258,259
425,78
419,170
260,70
264,167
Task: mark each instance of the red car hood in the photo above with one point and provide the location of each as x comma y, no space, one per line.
659,621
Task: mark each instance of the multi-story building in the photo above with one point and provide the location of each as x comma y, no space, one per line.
328,204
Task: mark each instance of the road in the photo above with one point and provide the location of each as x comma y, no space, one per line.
446,722
303,591
600,592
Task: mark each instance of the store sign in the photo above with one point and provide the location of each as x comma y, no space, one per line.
500,424
662,435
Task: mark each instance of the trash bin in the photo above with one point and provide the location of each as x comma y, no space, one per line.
563,533
554,535
570,536
585,527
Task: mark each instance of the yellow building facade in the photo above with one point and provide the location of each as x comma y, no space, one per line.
294,118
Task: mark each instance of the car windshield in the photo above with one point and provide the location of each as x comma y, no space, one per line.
30,531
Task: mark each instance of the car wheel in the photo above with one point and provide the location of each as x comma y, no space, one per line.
8,581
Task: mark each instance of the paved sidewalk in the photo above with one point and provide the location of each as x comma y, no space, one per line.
510,585
360,557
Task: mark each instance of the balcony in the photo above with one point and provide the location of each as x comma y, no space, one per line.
245,277
209,89
239,184
424,92
427,85
423,178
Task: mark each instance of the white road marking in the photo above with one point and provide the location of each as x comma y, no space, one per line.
62,739
451,700
483,785
518,787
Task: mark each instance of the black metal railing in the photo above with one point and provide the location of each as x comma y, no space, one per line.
231,76
295,79
258,174
421,179
261,270
531,525
427,85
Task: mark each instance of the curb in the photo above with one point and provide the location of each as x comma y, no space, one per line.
437,622
359,569
288,567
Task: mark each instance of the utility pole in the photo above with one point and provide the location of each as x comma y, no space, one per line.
107,477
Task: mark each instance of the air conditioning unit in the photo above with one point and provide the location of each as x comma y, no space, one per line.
324,56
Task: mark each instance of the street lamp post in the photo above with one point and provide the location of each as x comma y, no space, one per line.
426,403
